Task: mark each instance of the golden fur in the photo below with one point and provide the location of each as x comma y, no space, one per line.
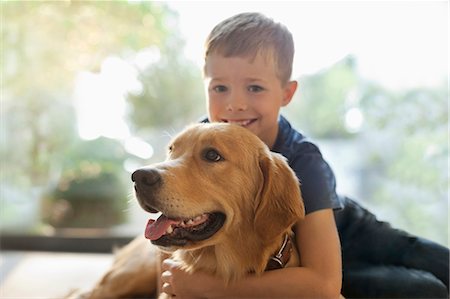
254,188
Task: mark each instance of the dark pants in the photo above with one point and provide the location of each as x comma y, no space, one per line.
382,262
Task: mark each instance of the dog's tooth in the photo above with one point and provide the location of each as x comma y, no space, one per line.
198,218
169,230
190,222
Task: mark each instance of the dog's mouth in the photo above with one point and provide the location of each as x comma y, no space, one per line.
168,232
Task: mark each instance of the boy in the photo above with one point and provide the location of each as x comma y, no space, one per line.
248,64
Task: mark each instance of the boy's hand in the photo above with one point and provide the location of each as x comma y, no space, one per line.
179,283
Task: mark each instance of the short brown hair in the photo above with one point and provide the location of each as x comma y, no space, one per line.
248,34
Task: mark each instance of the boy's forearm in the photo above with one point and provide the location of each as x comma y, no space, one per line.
320,275
294,282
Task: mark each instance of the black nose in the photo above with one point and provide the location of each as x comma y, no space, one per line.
146,177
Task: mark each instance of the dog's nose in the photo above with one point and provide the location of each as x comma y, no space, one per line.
146,177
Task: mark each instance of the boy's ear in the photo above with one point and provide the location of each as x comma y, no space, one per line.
289,91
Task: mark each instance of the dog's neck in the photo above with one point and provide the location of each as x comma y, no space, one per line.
281,257
232,262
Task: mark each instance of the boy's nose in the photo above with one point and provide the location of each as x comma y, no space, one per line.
236,102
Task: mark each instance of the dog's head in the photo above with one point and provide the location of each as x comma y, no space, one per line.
219,181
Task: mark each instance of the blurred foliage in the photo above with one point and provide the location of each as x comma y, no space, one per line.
90,192
103,151
56,39
320,104
35,135
45,45
406,146
403,137
172,94
87,197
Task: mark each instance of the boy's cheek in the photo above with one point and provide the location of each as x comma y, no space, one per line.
214,106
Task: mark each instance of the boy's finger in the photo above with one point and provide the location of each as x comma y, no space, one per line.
166,276
169,264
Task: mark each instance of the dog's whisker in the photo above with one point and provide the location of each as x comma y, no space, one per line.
131,198
196,258
168,134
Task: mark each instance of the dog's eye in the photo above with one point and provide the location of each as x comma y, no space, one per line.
212,155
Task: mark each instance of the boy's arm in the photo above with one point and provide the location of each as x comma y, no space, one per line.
318,277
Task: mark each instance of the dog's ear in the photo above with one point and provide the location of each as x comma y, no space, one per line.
279,204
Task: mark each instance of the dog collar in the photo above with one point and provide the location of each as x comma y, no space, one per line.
281,258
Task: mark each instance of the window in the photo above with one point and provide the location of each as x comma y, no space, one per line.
93,90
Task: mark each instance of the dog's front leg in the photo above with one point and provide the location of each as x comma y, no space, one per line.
133,273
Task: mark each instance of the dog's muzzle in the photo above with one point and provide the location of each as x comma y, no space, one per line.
171,230
147,181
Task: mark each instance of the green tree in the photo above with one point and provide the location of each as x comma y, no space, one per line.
406,145
320,104
44,46
172,94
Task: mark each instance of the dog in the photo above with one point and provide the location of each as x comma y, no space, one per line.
226,206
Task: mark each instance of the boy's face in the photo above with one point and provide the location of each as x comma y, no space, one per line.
246,92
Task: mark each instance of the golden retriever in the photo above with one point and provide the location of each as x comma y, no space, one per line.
227,206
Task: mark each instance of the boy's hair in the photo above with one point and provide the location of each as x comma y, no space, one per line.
249,34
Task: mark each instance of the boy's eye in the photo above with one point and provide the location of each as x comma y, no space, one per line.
255,88
220,88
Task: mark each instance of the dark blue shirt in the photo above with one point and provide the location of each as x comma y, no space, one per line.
318,184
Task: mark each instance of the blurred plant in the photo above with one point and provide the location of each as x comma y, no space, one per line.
320,105
35,134
172,94
406,145
90,192
45,44
89,196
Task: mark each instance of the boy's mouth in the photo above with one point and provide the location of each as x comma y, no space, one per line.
240,122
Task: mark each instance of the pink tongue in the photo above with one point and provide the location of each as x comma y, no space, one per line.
156,229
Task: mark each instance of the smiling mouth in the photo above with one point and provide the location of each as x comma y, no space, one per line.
166,231
240,122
